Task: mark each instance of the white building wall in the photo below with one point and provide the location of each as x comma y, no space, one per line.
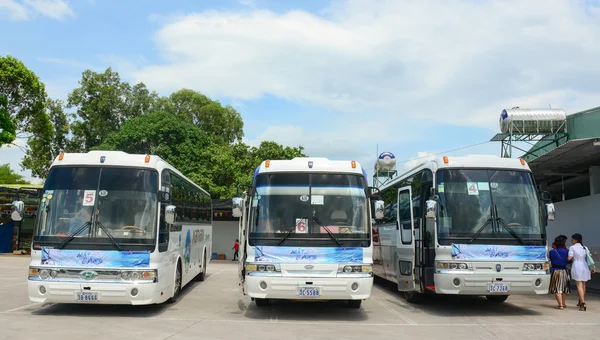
580,215
225,233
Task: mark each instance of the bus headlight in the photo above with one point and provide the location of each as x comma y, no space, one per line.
355,269
139,275
452,266
536,267
271,269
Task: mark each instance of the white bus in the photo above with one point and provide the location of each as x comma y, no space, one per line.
471,225
118,228
305,232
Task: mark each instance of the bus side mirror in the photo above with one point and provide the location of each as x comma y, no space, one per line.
431,209
379,206
170,214
18,210
550,211
236,207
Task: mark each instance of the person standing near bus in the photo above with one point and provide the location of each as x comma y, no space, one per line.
580,271
560,279
236,249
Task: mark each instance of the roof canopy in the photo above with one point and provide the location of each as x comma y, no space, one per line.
570,159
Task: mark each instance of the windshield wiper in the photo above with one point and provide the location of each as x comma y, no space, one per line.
109,235
72,236
509,229
480,230
285,236
315,219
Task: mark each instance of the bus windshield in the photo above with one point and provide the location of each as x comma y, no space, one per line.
488,206
309,209
122,200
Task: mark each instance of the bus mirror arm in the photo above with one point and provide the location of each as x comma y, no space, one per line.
170,214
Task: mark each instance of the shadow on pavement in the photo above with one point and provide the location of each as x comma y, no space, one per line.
452,305
283,310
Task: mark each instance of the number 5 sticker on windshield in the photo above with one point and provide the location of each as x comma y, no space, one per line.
89,197
472,188
301,225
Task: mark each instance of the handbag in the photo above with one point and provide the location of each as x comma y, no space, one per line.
589,259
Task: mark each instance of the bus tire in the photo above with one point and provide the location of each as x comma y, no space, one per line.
261,302
413,297
354,304
202,275
177,285
496,298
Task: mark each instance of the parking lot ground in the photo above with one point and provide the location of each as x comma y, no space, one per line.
215,309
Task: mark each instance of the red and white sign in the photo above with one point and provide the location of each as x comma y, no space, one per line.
89,198
301,225
472,188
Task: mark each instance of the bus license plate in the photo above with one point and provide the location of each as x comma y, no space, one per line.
499,288
309,292
87,296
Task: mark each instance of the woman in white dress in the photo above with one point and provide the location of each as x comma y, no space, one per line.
580,272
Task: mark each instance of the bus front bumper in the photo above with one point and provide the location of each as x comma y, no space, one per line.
96,293
477,284
290,288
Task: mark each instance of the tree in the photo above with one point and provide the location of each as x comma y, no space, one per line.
23,102
8,129
219,168
48,140
223,124
103,104
8,176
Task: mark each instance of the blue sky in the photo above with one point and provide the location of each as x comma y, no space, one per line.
342,78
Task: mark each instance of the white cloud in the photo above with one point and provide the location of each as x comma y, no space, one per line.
26,9
441,60
13,10
56,9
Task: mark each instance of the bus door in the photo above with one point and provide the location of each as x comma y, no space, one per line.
405,250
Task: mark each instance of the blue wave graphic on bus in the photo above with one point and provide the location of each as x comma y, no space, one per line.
95,258
498,252
308,255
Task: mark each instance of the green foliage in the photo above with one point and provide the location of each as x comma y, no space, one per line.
8,176
197,135
217,167
8,129
48,139
223,124
103,103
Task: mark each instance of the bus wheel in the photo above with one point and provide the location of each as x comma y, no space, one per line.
177,283
261,302
202,275
412,297
496,298
355,304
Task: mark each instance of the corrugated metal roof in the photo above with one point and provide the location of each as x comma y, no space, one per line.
580,125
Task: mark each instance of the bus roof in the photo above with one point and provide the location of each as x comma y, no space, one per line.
121,159
115,158
319,164
468,161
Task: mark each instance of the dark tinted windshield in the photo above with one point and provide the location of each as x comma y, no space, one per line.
308,205
124,201
469,198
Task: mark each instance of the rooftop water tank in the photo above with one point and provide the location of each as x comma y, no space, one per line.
533,121
386,161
